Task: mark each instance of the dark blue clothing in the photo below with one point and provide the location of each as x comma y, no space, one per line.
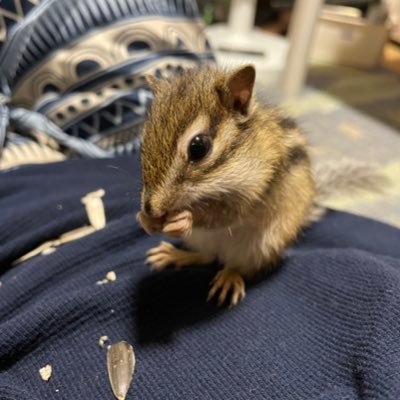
325,325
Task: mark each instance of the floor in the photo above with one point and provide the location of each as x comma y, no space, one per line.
352,113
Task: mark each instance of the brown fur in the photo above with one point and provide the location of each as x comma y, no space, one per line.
254,185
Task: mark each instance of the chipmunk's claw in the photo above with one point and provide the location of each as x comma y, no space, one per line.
161,256
227,280
163,247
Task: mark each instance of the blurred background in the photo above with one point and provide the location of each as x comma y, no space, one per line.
335,66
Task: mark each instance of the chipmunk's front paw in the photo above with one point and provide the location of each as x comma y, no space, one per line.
227,280
161,256
179,225
166,254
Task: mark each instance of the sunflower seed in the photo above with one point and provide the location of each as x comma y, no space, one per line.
95,208
121,366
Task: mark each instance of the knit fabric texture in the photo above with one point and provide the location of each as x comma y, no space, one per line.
325,325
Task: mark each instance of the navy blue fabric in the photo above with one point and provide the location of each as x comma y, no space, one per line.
326,325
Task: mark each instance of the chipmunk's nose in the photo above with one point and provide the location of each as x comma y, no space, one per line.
151,211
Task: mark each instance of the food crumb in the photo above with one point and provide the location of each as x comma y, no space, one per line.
111,276
57,390
59,206
46,372
102,341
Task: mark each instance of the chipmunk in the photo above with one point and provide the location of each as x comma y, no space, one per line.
228,175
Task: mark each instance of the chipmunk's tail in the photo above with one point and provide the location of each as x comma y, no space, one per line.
347,178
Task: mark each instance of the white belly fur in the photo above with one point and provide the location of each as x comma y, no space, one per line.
242,248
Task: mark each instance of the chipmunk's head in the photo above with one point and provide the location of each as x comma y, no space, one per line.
198,146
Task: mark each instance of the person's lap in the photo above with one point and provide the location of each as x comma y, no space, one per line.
325,323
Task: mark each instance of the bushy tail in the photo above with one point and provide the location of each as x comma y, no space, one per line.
346,177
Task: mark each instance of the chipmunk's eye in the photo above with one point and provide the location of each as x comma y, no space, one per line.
199,147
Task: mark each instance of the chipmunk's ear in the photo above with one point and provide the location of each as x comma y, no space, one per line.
239,88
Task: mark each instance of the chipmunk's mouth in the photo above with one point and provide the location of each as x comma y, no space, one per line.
150,224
